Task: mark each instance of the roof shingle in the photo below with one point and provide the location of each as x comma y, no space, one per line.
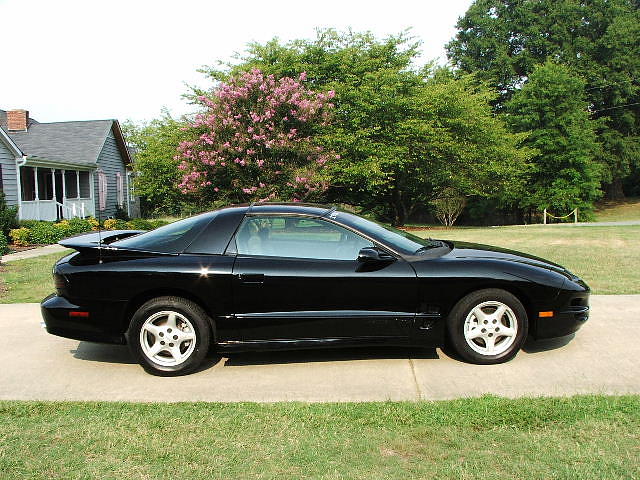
77,142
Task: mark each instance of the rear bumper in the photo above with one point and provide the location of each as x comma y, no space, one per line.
96,328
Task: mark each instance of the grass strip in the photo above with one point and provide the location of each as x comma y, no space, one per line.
586,437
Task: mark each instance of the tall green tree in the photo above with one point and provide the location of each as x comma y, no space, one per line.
552,107
157,176
502,41
406,145
403,133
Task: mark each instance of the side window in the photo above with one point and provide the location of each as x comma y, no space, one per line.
297,237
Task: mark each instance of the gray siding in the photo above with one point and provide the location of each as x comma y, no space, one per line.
111,162
9,179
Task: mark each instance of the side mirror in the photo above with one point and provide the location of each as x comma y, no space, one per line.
370,254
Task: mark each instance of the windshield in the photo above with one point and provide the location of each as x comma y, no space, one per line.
400,240
172,238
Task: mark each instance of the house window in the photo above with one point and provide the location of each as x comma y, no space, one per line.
28,183
85,187
102,190
70,184
119,189
45,183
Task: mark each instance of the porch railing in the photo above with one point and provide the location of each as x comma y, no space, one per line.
71,211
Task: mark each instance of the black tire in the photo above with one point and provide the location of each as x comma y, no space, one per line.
506,346
190,321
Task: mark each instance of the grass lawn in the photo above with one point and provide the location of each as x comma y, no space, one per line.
588,437
615,211
607,258
28,280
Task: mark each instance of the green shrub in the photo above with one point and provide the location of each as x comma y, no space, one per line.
64,227
94,223
20,236
158,223
80,225
45,233
109,224
139,224
28,223
121,214
121,225
4,246
8,216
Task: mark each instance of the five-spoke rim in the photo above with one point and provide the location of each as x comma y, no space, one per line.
490,328
167,338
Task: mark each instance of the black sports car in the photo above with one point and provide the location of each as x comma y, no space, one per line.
283,276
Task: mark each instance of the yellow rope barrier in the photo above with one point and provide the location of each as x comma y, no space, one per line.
574,212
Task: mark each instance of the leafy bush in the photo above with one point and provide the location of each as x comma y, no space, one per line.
115,224
4,246
94,223
121,214
64,227
28,223
80,225
448,206
20,236
109,224
158,223
45,233
8,216
139,224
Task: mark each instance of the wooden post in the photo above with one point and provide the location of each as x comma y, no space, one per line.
544,221
575,215
64,191
53,181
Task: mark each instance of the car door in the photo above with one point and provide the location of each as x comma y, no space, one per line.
300,278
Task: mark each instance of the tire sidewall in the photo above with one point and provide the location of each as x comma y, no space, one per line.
458,315
192,312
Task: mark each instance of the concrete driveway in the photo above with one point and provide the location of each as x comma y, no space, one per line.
602,358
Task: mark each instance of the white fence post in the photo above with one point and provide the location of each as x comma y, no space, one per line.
544,221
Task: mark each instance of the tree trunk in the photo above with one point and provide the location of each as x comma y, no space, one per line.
399,209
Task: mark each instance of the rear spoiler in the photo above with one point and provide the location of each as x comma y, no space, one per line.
98,241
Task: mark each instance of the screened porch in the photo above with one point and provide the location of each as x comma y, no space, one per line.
55,194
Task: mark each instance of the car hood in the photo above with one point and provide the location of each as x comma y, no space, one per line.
476,250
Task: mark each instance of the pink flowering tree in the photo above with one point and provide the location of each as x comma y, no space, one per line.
255,141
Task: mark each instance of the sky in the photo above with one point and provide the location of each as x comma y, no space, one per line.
127,59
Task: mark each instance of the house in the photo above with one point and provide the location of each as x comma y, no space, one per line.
62,170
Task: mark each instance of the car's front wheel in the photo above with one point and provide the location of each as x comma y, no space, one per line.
488,326
169,336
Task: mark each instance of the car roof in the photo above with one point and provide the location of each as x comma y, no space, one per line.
285,208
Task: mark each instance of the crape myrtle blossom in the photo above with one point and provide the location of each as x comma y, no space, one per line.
255,140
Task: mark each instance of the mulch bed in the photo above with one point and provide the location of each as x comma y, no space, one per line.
18,248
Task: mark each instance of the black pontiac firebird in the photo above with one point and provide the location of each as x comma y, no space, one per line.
284,276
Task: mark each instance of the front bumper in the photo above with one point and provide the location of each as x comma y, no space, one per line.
570,313
96,328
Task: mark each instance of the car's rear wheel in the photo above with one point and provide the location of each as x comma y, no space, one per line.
488,326
169,336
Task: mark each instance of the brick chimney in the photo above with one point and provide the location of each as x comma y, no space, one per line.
17,120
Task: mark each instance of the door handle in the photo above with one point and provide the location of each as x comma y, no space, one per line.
254,278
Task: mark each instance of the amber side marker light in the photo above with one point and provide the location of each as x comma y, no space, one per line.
79,314
545,314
